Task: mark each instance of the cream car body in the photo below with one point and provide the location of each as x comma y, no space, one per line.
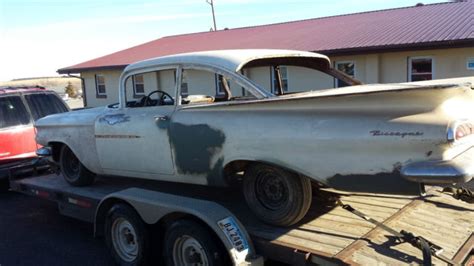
345,137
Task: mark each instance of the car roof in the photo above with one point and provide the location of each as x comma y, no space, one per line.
233,60
12,89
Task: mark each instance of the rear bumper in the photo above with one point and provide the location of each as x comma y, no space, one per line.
458,170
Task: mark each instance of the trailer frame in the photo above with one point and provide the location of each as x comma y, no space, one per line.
154,200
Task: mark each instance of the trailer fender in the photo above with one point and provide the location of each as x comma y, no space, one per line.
152,206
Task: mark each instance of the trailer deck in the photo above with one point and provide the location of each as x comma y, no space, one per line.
328,233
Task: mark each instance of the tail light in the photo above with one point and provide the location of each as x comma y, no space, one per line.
460,130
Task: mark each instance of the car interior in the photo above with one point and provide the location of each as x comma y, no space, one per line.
197,87
206,87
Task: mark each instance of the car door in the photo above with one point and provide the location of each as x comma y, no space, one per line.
204,127
133,141
17,135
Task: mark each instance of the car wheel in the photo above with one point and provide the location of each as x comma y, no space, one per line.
276,196
74,172
126,236
189,243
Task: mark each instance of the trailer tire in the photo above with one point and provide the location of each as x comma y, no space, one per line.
276,196
187,242
127,236
74,172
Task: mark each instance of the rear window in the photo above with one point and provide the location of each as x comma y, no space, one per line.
13,112
43,104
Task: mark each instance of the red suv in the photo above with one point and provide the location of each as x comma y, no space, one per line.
20,107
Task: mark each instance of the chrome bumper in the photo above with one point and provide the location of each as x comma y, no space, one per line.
47,154
458,170
44,152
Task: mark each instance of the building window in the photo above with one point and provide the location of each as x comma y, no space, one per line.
138,85
284,79
347,67
420,68
100,86
470,63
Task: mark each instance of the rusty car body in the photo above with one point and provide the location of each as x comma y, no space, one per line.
369,136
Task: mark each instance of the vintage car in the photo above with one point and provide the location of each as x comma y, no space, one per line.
275,145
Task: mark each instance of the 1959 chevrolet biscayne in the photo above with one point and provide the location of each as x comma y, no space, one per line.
360,137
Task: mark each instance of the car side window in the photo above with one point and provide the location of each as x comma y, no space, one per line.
42,105
155,88
205,87
13,112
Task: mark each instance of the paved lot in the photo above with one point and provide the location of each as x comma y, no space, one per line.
32,232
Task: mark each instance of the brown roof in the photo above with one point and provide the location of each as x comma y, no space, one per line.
419,27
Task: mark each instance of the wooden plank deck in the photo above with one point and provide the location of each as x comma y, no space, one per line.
332,232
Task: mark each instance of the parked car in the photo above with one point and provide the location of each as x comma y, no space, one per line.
276,145
20,107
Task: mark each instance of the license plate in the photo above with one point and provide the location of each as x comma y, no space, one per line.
235,237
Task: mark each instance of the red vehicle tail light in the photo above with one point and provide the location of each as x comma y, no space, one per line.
464,130
460,130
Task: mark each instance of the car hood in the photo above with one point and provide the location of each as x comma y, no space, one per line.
84,117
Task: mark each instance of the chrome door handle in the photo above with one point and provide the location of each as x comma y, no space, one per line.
161,118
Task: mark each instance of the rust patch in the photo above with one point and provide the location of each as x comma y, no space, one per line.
385,183
397,166
195,147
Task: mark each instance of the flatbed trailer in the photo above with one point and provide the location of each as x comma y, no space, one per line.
328,235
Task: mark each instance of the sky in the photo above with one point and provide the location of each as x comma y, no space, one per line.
38,37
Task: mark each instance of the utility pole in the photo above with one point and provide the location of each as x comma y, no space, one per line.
211,2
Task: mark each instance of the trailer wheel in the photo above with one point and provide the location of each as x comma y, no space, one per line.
276,196
188,243
74,172
126,236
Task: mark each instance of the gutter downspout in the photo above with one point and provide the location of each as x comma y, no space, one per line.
83,87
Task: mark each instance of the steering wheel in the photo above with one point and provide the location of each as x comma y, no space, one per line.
147,101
